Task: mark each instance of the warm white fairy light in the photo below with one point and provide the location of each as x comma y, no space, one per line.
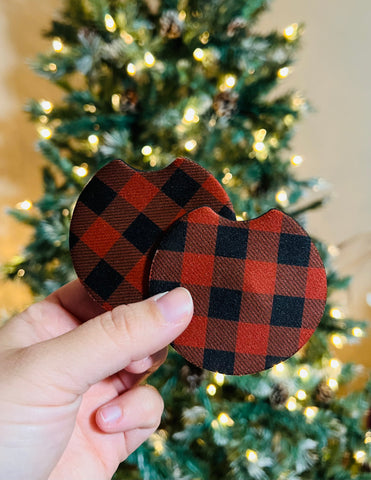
225,419
211,389
357,332
182,15
359,456
368,437
303,373
310,412
296,160
219,378
204,38
260,135
258,146
291,31
21,273
336,313
93,140
190,145
25,205
333,250
46,106
279,368
45,132
52,67
282,197
198,54
291,404
337,341
128,39
301,395
227,178
190,115
116,101
149,59
90,108
110,23
283,72
131,70
81,171
334,363
251,456
147,150
230,80
333,383
57,44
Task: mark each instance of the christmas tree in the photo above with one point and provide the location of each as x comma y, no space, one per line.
148,81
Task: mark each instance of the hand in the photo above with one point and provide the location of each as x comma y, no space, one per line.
71,406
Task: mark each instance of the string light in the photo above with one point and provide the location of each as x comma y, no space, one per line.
332,383
182,15
57,44
93,140
303,373
251,456
283,72
80,171
296,160
291,32
204,38
45,132
260,134
153,162
52,67
230,81
227,178
211,389
190,145
146,150
90,108
225,419
198,54
282,198
334,363
359,456
337,341
291,404
368,437
65,212
46,106
357,332
279,368
131,70
21,273
25,205
190,115
128,39
110,23
258,146
301,395
219,378
149,59
336,313
310,412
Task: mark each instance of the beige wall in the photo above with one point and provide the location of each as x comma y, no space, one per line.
332,71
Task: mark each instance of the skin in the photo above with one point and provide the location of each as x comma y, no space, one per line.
58,374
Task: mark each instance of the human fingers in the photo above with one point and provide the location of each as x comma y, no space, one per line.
141,407
149,363
111,341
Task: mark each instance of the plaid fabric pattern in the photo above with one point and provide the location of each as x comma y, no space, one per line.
120,218
259,288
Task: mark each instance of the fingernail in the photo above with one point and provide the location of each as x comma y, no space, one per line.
110,414
175,306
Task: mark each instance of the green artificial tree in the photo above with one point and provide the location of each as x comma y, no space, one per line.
151,80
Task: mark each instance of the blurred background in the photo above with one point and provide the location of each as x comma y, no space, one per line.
332,71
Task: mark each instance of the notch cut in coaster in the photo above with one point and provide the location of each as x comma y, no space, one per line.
120,217
259,288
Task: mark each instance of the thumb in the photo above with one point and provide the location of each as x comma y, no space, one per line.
111,341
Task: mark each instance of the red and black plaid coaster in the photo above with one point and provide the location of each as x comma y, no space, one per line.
120,218
259,288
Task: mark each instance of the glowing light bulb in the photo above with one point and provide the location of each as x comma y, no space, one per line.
336,313
333,250
219,378
332,383
110,23
131,69
190,145
146,150
290,32
116,101
225,419
359,456
291,404
149,59
57,44
334,363
46,106
283,72
190,115
93,140
357,332
45,132
211,389
182,15
128,39
368,437
258,146
281,197
279,368
337,341
310,412
25,205
80,171
303,373
21,273
260,135
204,38
52,67
227,178
230,81
296,160
198,54
301,395
251,456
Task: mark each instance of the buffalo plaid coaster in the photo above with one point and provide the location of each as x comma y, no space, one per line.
120,218
259,288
